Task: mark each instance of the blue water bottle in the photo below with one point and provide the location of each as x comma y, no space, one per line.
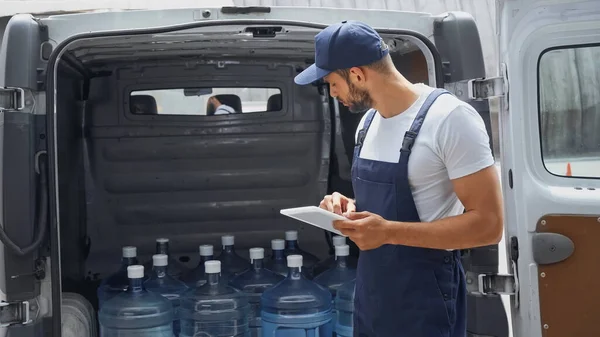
136,312
296,306
337,275
253,283
163,284
214,309
117,282
196,277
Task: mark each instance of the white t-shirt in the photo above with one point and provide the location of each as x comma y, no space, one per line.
452,143
224,110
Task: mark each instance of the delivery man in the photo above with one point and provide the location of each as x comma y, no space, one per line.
424,182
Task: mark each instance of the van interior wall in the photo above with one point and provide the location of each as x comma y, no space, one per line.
128,179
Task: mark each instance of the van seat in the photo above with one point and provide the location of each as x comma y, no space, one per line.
143,105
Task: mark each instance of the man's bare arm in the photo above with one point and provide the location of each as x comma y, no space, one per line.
480,225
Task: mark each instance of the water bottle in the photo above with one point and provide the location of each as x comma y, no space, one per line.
339,274
277,263
196,276
136,312
296,306
292,248
118,281
329,262
344,306
214,309
231,263
163,284
253,283
176,269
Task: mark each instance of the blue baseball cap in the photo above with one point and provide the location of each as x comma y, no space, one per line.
343,45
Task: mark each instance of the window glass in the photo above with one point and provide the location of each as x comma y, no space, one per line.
569,108
204,101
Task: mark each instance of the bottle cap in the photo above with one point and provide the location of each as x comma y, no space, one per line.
257,253
343,250
206,250
135,271
227,240
212,267
129,251
291,235
160,260
339,240
277,244
294,261
162,240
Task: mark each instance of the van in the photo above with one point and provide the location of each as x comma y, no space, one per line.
108,138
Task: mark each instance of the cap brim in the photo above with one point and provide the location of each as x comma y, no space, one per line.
311,74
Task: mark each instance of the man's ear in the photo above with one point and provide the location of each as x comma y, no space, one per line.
357,75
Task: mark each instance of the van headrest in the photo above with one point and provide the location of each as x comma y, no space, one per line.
143,105
274,103
232,100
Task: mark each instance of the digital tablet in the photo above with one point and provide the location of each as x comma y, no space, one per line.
315,216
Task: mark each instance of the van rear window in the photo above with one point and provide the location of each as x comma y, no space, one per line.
205,101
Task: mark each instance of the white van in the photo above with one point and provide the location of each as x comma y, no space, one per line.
109,138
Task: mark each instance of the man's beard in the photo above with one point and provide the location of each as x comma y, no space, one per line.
358,100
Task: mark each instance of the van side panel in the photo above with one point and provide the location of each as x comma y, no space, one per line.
19,59
457,39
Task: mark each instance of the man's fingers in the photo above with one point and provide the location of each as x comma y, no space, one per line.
344,225
326,203
336,200
357,215
350,207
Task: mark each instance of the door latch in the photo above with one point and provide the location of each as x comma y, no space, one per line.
14,313
497,284
12,99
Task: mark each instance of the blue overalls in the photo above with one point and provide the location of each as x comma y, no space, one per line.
403,291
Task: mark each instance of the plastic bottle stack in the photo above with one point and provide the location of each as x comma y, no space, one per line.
296,306
117,282
214,309
136,312
254,282
231,263
293,248
344,306
196,277
163,284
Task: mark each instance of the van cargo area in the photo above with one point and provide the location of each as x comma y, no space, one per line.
130,170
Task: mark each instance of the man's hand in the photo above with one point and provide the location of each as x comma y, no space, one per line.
367,230
338,204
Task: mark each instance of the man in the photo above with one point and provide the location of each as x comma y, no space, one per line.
219,107
424,185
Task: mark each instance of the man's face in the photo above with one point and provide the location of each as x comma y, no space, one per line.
348,93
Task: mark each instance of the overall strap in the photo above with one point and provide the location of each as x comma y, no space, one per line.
363,132
413,132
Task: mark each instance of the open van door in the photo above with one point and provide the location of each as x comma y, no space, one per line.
550,146
23,178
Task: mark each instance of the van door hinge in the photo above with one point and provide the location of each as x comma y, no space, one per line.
478,88
14,313
481,88
12,99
